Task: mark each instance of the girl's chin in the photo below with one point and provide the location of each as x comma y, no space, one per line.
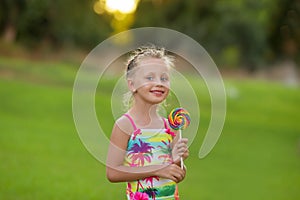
157,100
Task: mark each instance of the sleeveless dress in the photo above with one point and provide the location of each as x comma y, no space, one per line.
150,147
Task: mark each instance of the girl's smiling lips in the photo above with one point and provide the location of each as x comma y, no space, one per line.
157,92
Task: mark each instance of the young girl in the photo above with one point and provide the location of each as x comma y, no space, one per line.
143,151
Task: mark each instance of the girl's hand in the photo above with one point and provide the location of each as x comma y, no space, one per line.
172,172
180,149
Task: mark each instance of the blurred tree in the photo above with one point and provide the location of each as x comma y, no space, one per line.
36,22
236,33
75,23
10,12
232,31
284,33
52,22
240,29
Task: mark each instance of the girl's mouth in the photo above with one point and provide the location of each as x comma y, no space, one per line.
157,92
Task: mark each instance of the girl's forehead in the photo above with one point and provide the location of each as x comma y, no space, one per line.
152,65
151,60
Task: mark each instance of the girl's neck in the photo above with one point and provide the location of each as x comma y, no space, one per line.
144,115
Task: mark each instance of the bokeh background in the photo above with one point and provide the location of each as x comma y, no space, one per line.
255,45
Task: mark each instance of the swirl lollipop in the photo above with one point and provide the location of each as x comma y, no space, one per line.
179,119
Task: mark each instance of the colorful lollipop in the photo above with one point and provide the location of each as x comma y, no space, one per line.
179,119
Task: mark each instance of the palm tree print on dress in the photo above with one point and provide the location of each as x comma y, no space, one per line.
151,191
167,152
139,153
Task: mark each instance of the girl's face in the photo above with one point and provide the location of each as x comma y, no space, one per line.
151,80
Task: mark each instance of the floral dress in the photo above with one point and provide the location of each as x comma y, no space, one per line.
150,147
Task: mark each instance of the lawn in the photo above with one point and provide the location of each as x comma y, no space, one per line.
257,156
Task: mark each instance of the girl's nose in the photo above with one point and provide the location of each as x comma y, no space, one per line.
158,82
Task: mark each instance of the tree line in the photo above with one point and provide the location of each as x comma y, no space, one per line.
244,33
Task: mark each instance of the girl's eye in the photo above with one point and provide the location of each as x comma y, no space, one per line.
164,79
150,78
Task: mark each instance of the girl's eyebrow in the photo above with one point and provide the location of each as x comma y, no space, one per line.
153,73
149,73
165,74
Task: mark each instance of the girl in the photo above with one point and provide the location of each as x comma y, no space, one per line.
143,151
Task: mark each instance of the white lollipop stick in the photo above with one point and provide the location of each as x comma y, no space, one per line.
181,159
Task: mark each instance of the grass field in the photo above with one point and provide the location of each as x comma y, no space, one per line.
42,157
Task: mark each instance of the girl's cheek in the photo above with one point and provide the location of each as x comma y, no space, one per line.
167,85
142,83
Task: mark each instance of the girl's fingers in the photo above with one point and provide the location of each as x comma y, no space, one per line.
175,173
182,149
178,174
182,142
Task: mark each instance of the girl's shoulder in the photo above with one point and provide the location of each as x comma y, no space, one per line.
124,124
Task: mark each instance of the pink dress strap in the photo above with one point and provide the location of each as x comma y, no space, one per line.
136,131
131,121
168,130
165,123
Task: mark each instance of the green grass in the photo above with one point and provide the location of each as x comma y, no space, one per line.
42,157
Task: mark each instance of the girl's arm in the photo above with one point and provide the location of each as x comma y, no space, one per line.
117,172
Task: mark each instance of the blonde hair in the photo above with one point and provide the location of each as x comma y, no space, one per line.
148,51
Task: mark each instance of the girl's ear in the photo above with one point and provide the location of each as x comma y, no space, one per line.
131,86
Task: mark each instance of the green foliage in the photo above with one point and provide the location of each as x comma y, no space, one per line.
230,56
250,32
224,28
55,23
284,32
